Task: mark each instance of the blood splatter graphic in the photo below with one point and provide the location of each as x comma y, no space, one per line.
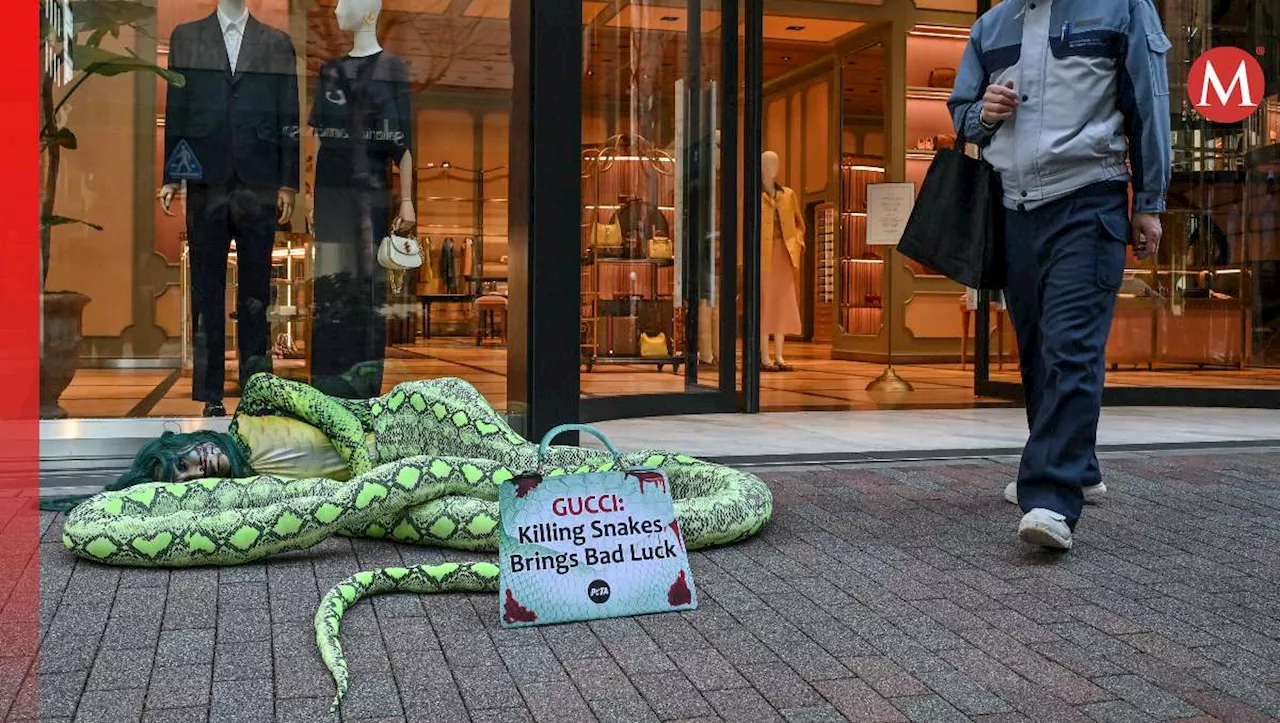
678,594
525,485
514,612
675,527
657,479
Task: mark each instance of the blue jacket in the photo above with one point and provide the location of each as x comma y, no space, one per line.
1095,92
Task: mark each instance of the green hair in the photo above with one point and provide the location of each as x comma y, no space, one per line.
157,462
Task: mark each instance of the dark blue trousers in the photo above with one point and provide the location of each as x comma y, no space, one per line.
1065,262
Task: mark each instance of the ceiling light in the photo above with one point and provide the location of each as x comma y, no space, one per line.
795,28
786,58
669,19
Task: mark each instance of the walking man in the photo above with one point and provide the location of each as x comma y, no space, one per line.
1070,100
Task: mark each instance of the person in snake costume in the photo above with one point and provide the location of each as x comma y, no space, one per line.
423,465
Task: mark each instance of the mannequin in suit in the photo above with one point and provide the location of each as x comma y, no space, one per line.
781,248
362,112
231,132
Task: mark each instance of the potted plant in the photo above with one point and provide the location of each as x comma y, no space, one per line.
71,35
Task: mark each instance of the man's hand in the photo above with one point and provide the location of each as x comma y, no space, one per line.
999,103
285,198
1146,235
166,195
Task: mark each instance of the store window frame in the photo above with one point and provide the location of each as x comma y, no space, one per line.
695,399
544,362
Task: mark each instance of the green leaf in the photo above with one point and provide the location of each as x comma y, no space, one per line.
108,16
52,221
96,61
65,138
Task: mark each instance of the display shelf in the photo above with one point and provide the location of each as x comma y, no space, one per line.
936,94
859,281
623,298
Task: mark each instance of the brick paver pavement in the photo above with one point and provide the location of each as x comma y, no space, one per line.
895,593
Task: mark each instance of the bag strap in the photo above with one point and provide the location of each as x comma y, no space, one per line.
550,436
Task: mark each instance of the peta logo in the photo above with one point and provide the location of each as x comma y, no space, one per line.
1226,85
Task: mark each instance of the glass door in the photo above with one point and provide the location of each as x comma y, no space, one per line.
656,156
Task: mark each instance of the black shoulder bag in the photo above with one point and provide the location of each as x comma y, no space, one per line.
957,224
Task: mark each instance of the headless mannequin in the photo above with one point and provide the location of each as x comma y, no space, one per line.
769,176
285,197
360,17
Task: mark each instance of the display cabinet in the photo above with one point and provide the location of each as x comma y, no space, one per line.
860,282
629,255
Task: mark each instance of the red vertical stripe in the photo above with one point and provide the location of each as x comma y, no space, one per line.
19,360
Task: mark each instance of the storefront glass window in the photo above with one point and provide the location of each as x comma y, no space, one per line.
237,187
1205,313
652,173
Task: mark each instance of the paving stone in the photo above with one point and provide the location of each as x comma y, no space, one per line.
708,669
241,701
1148,698
671,695
488,687
177,715
186,647
242,661
818,714
885,676
305,710
556,703
180,686
121,669
110,706
781,686
534,664
966,695
745,705
1116,711
497,715
624,709
929,709
1226,708
858,702
58,693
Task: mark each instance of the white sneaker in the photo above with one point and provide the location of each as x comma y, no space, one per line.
1091,493
1045,528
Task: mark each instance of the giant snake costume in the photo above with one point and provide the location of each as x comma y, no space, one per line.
421,465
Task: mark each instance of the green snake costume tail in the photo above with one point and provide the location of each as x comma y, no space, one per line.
431,477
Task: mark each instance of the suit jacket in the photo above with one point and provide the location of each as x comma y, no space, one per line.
243,124
787,206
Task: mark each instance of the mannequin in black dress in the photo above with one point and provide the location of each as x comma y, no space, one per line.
362,113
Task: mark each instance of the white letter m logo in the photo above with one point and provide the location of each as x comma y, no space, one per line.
1240,79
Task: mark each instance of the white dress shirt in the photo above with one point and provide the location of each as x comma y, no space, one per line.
233,34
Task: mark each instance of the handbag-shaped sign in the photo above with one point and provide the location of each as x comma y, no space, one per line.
577,545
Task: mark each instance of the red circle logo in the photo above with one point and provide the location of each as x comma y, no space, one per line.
1226,85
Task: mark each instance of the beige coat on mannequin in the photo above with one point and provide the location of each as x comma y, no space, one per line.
793,228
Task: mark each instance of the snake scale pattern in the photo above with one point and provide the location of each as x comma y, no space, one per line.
431,477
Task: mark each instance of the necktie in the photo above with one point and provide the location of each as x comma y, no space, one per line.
233,45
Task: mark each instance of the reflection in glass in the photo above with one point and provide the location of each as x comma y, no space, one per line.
362,115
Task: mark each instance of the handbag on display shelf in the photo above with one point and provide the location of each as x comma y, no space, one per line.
606,240
654,347
662,248
942,78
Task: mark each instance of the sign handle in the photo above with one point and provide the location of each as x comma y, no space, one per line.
550,436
